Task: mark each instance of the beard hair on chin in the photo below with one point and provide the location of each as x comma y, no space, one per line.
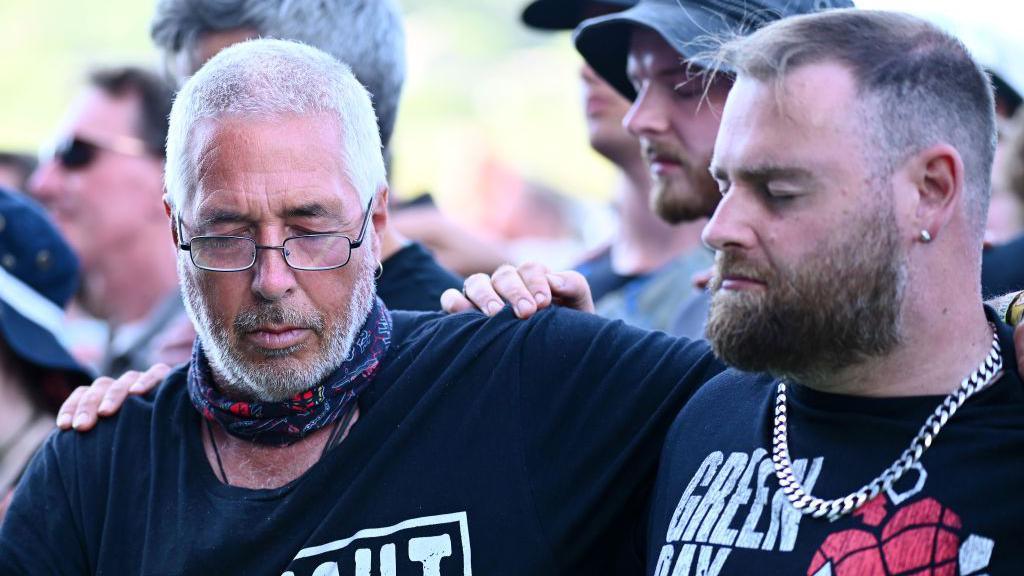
686,197
277,378
833,310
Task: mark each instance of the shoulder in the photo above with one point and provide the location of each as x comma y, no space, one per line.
130,429
555,333
730,395
417,329
734,386
728,402
417,325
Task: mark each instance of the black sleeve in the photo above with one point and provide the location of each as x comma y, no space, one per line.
41,533
596,400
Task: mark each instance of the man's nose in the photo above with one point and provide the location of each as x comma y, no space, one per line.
46,183
729,226
273,279
646,115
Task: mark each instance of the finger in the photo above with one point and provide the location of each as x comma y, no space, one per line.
68,408
85,414
114,396
149,379
702,279
453,302
510,286
480,292
535,277
570,289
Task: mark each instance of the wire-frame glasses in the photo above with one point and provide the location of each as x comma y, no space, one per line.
306,252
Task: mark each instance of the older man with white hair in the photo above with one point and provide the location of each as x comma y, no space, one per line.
314,431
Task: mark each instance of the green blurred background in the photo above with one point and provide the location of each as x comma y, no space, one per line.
483,92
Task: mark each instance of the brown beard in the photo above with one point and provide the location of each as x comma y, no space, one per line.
687,197
837,307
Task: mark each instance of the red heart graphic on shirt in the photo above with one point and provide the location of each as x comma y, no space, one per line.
919,540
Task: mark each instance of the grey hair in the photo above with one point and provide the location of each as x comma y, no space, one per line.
367,35
269,78
918,86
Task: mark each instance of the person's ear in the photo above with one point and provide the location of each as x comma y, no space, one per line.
170,219
938,176
380,210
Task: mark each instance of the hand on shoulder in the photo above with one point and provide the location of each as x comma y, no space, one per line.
528,288
105,396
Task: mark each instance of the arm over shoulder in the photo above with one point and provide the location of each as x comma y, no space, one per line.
597,398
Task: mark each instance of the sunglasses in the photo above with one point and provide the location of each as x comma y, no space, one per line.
74,152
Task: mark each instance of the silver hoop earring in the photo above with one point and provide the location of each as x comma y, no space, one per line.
926,236
380,270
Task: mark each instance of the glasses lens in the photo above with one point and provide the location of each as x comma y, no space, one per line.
317,251
223,253
75,153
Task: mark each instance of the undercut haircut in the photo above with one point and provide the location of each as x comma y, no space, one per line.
918,86
367,35
154,95
267,79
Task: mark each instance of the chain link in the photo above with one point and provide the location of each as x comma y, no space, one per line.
987,373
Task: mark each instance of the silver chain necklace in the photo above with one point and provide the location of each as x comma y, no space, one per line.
987,373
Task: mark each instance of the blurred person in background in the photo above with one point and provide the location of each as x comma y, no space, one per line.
38,275
15,170
529,219
1001,270
640,275
369,36
457,248
102,183
1006,210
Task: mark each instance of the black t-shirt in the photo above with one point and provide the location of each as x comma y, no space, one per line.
718,508
493,445
601,276
413,280
1002,268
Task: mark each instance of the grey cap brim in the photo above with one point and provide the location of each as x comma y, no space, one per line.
604,41
692,27
563,14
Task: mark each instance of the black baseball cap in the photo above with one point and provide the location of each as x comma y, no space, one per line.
565,14
687,25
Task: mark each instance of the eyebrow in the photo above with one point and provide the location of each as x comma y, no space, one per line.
227,216
763,172
311,210
220,216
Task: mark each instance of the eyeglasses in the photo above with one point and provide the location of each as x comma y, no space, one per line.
75,152
307,252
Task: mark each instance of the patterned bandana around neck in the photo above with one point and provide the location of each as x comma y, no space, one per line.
286,422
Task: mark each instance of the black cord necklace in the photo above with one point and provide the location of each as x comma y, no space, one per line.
335,437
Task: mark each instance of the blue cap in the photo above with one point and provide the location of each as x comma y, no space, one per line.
38,275
686,25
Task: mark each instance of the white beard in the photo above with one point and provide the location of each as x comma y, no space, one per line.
279,377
